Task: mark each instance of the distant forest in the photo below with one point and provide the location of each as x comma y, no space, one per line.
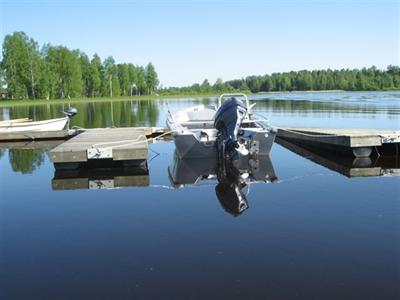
366,79
57,72
51,72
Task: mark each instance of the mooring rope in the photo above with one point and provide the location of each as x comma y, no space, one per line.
307,134
139,139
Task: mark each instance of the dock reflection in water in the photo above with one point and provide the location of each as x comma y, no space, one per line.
99,178
232,180
347,166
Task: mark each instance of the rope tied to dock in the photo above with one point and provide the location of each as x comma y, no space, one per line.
306,133
139,139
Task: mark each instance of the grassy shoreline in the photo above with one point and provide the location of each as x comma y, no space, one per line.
12,103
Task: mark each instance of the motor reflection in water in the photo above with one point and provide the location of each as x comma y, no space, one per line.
233,179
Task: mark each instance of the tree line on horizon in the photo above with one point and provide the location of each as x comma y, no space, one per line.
365,79
27,72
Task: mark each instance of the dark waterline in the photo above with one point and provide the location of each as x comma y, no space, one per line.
315,234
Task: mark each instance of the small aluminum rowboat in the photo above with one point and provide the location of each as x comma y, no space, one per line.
22,125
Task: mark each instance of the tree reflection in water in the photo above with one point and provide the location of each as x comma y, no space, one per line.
97,114
25,160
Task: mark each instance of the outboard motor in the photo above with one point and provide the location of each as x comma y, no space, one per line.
72,111
227,121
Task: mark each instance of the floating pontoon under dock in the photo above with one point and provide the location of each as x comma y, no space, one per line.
348,166
358,142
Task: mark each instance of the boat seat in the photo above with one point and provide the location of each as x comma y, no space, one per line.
202,115
198,124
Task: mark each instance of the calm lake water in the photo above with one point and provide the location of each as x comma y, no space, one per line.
315,233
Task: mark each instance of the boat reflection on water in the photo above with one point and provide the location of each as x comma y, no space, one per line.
231,179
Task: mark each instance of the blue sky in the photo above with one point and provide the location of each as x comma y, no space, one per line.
188,41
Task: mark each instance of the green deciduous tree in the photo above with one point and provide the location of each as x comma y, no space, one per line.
21,65
205,86
86,74
65,68
110,82
141,80
123,77
151,78
95,76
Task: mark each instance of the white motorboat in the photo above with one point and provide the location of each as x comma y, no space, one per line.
229,129
20,125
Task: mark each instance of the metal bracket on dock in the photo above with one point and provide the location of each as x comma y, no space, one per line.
390,138
99,153
101,184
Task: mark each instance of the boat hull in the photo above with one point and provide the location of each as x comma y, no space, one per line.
47,125
189,146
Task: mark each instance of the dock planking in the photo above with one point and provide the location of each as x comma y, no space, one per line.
359,142
128,146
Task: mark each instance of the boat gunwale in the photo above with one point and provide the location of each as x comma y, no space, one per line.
34,123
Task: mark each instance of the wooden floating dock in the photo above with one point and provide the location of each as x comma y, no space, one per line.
125,147
357,142
346,165
62,134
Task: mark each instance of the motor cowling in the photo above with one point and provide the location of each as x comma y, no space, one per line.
227,121
72,111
